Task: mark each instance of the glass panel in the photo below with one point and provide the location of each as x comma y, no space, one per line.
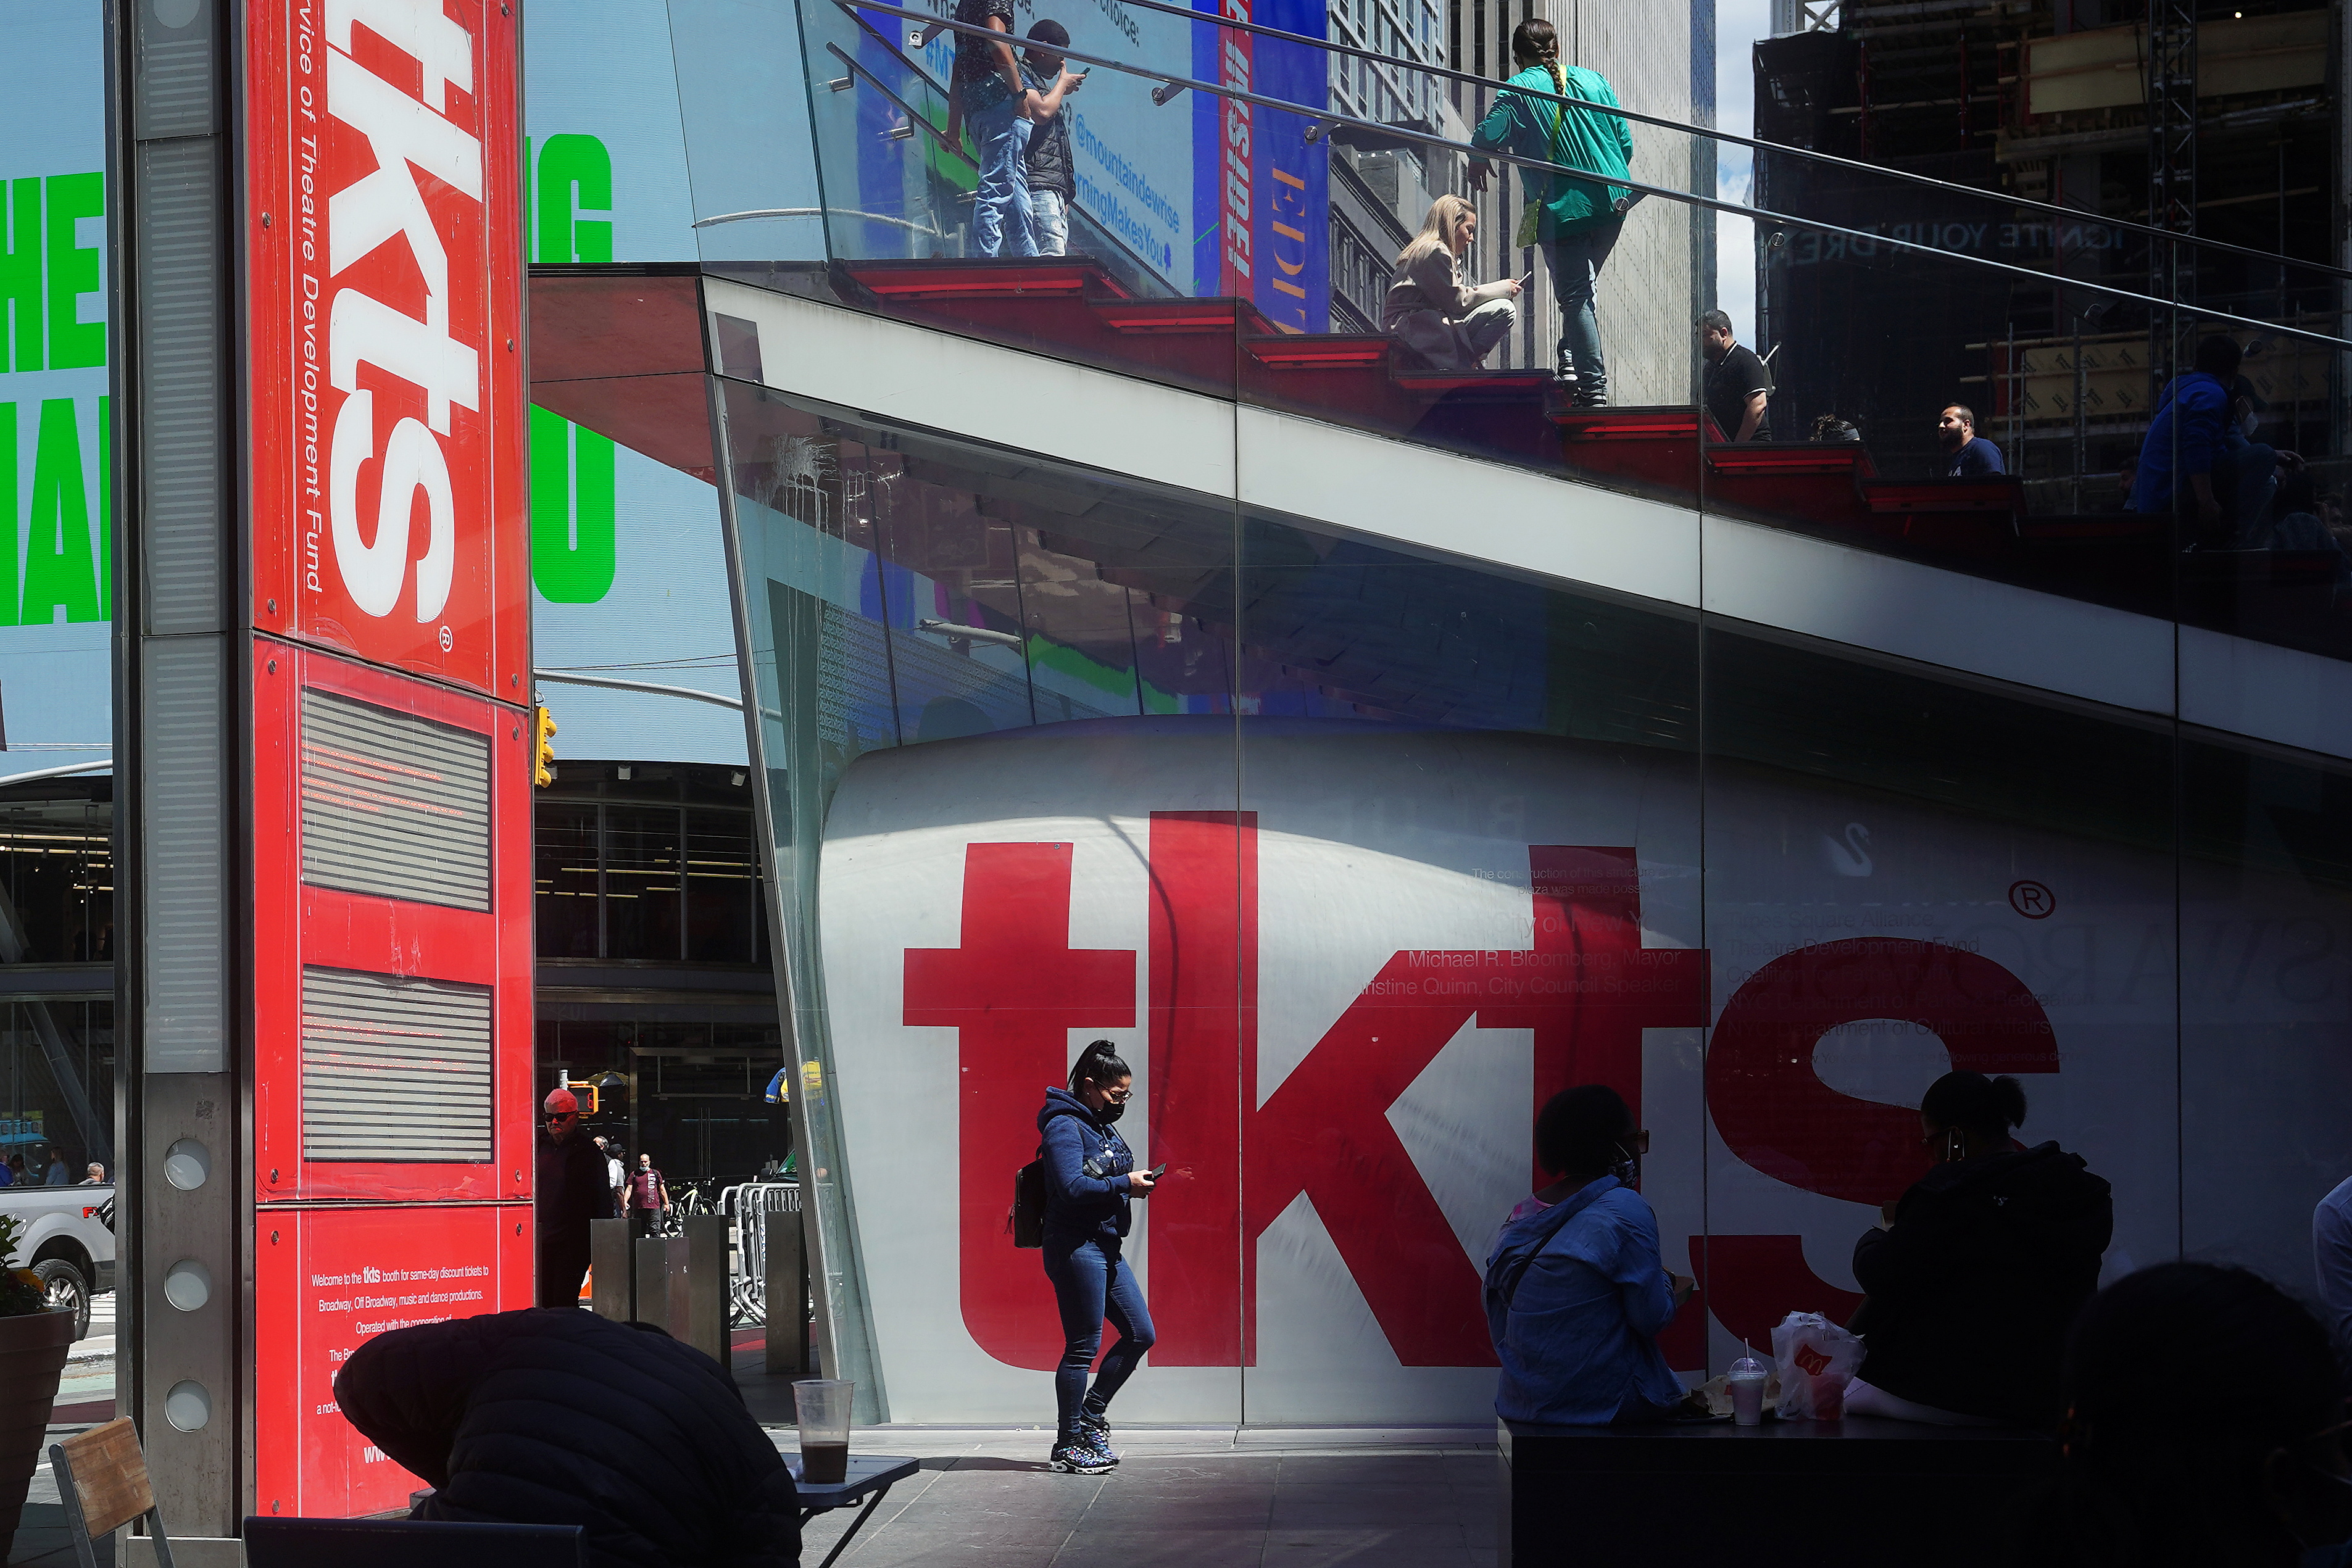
1471,832
641,883
720,911
565,909
1905,876
956,648
2265,921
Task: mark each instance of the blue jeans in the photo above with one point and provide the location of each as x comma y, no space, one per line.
1092,1280
1576,263
1000,203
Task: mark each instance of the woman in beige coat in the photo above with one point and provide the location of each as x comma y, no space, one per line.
1430,309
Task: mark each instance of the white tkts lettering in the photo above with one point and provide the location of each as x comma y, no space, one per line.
412,462
423,33
404,135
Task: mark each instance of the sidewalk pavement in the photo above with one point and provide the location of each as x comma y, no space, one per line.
1215,1497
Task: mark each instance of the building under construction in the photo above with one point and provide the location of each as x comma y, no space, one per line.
2048,102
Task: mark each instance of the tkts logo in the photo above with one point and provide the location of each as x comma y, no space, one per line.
1583,986
386,317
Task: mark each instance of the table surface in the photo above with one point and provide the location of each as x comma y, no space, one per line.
866,1473
1866,1428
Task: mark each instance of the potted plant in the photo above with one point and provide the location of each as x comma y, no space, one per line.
34,1339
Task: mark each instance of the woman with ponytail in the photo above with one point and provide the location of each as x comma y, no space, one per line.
1090,1175
1973,1277
1576,221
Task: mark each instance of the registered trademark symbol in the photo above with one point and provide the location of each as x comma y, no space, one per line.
2032,900
447,641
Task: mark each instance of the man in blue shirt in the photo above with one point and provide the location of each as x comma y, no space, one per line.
2186,438
1969,455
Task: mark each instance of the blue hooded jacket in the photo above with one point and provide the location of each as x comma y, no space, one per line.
1577,1335
1086,1164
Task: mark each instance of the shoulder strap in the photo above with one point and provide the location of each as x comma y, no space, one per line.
1503,1281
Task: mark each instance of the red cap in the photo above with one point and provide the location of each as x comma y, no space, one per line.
562,1101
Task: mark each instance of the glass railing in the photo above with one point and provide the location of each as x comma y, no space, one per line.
1238,195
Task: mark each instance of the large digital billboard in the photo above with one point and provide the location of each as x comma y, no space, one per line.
1344,1002
56,547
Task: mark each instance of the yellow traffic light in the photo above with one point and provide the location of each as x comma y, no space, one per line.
542,761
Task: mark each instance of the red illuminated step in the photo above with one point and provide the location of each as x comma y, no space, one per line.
1631,423
1999,494
1493,383
1319,351
1001,277
1791,458
1180,318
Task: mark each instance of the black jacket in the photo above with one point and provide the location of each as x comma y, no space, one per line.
1086,1165
559,1416
1049,146
572,1188
1973,1286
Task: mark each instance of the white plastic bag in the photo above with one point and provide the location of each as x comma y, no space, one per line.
1817,1359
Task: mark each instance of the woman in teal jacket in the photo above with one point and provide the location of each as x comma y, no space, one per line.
1577,220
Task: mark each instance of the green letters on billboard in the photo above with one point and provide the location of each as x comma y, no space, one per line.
74,344
575,171
571,514
8,514
20,277
58,570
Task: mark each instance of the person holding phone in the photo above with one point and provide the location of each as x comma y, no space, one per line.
1576,1290
1053,177
1430,309
1090,1175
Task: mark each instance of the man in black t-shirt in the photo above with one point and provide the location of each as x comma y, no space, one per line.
1739,388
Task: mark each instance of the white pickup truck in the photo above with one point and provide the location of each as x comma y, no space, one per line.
68,1240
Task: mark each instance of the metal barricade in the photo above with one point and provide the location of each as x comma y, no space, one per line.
747,1206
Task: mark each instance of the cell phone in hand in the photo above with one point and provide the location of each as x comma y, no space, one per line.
1155,1172
1080,82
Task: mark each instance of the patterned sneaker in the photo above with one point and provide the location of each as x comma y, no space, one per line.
1095,1431
1079,1456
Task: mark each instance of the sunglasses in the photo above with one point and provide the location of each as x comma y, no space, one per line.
564,1116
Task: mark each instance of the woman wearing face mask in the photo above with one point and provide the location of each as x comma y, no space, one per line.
1090,1175
1576,1292
2203,1429
1973,1277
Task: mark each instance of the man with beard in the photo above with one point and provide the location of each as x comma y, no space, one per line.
1967,454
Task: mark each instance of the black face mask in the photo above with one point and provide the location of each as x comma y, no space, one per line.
1111,1112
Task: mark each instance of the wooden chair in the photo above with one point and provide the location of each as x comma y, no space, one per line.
102,1482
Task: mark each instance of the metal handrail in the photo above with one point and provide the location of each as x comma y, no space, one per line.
1927,180
757,212
1329,119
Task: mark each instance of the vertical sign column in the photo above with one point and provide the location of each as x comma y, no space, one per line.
391,1002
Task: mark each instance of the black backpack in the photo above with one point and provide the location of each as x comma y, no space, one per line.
1027,1219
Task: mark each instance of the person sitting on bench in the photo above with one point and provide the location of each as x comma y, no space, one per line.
1971,1280
1576,1293
553,1415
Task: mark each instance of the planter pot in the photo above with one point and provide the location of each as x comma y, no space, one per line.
33,1350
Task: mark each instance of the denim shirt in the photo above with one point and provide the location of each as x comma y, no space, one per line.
1578,1343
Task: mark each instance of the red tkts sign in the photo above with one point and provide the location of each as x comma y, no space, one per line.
383,226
